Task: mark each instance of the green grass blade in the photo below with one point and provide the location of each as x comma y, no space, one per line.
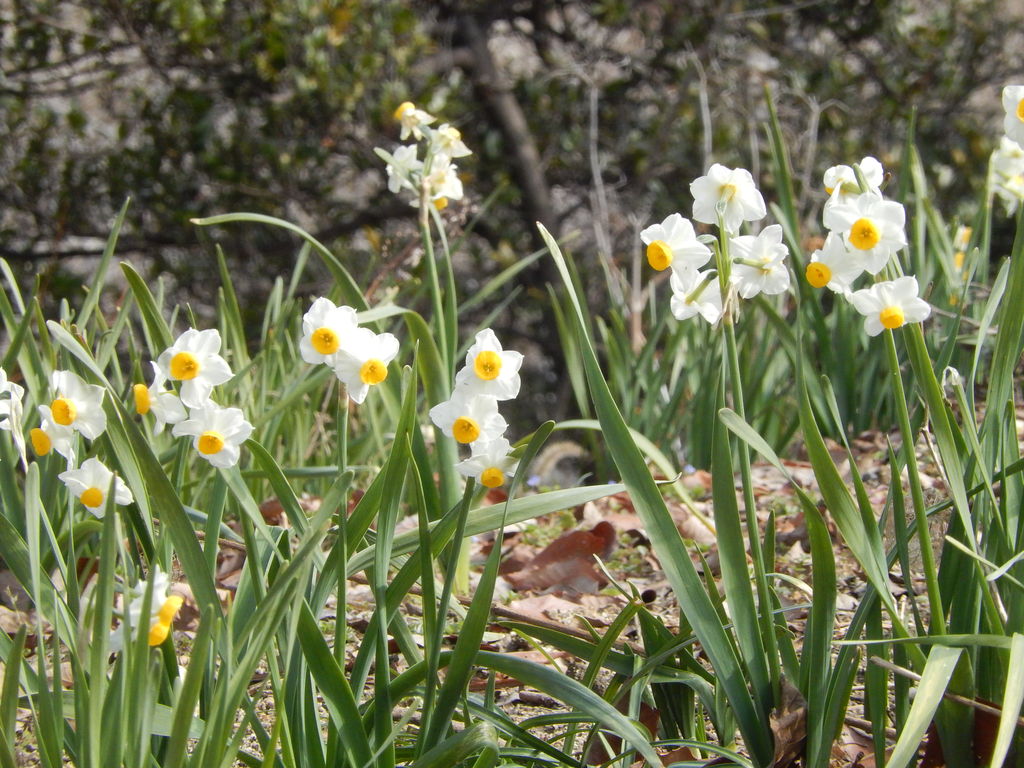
564,688
351,292
1013,698
942,661
92,299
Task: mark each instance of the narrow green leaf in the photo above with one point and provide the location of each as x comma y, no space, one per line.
564,688
942,661
1013,698
92,299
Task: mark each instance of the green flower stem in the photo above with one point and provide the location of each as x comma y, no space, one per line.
936,622
764,602
341,521
435,284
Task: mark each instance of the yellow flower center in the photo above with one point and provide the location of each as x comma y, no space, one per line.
64,411
162,626
728,192
170,609
374,371
659,255
864,235
829,190
958,259
891,317
487,365
492,477
465,430
143,402
818,274
1020,110
441,203
325,341
41,442
158,633
404,107
184,366
92,497
211,442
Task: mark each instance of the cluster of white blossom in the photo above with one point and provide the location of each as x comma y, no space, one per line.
757,263
865,232
471,415
359,357
433,176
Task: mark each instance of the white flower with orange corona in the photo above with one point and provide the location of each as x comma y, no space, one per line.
490,370
890,305
470,418
194,360
90,483
51,436
1013,105
673,243
217,433
77,405
412,120
489,463
163,608
872,228
324,329
165,406
831,266
362,361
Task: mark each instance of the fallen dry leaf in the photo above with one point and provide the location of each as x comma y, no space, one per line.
789,726
567,563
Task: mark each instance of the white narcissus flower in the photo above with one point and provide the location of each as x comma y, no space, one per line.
871,227
325,328
163,608
759,263
402,167
890,304
411,120
489,369
673,243
90,484
447,141
194,360
443,183
11,410
1008,173
1013,104
164,404
696,293
489,463
469,418
362,361
734,190
218,433
841,180
51,436
77,405
833,266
